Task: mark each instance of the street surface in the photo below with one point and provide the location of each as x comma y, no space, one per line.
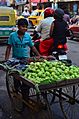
6,111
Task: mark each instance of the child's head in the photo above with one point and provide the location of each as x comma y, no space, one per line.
22,22
22,25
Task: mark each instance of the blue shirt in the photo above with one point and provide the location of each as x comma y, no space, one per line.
20,47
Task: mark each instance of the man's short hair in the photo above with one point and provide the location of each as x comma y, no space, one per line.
22,22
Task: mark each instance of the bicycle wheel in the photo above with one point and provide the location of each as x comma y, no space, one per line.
15,96
69,102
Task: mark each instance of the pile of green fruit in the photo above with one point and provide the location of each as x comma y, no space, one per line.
50,72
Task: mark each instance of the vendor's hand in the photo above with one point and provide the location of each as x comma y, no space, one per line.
45,57
48,57
39,56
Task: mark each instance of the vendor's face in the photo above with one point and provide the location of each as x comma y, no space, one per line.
22,29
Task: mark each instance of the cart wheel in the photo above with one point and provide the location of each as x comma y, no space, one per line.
70,106
15,97
47,113
44,111
52,96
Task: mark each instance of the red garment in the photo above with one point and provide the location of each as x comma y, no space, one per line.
65,47
46,46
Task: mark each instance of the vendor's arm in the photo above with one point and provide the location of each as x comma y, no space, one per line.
8,49
31,44
35,51
7,53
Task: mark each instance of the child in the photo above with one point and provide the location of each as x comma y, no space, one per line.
20,42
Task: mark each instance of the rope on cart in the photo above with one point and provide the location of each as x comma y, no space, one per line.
37,88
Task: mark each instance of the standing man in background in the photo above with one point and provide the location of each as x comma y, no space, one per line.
26,12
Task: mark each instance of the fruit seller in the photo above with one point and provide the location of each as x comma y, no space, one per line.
20,42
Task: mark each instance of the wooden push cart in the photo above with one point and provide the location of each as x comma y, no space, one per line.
38,101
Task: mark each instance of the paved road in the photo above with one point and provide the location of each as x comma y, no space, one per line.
6,111
73,51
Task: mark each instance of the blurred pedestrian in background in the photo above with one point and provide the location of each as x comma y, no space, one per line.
26,12
66,16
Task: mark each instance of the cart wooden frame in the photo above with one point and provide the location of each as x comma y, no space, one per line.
67,91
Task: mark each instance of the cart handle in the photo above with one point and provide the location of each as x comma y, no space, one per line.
6,68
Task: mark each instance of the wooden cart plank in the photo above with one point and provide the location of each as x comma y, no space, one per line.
21,78
43,87
59,84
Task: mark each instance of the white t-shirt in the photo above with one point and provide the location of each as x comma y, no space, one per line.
26,13
44,27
